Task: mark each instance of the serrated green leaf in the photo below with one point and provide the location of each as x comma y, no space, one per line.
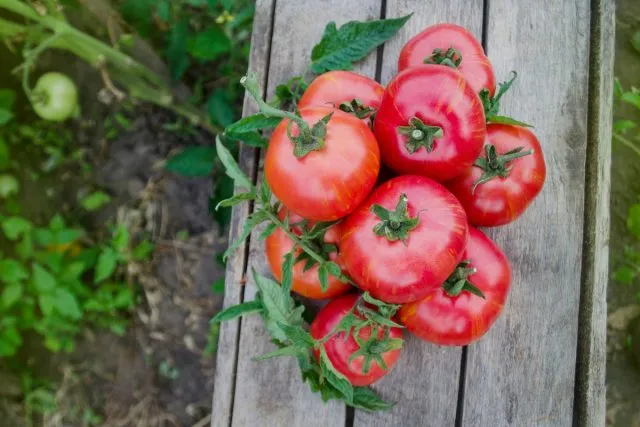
238,310
209,44
43,281
66,304
507,121
625,275
219,108
106,265
95,201
236,199
287,272
335,378
11,294
367,399
252,221
268,230
284,351
12,271
297,336
265,191
72,271
277,306
192,162
232,169
340,48
252,123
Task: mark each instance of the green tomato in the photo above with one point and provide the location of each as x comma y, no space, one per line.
55,97
8,186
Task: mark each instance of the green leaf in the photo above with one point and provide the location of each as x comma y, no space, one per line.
625,275
277,306
367,399
340,48
507,121
268,230
140,14
163,10
7,99
252,221
236,199
67,235
72,271
218,286
177,55
284,351
297,336
232,169
632,98
224,189
335,378
5,116
106,265
323,275
623,126
9,186
251,124
12,271
238,310
5,156
143,251
209,44
11,294
192,162
46,302
95,201
24,249
67,305
633,220
252,139
287,272
43,281
13,227
120,240
219,108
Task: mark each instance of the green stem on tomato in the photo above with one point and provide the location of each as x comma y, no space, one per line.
296,240
626,142
251,85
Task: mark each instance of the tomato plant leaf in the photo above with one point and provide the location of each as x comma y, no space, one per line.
251,124
43,281
13,227
231,167
219,108
340,48
277,306
12,271
7,99
5,116
268,230
209,44
106,265
120,240
367,399
5,155
95,201
236,199
632,98
287,272
252,221
177,55
11,294
192,162
323,275
625,275
623,125
334,377
284,351
252,139
143,251
507,121
238,310
67,305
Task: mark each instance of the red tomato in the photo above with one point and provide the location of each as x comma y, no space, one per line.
305,283
430,123
340,350
330,182
452,45
499,190
350,92
446,319
432,224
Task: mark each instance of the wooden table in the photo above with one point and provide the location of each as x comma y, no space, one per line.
543,363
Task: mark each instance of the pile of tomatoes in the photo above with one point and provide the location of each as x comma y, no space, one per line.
409,171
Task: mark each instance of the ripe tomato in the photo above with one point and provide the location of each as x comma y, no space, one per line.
505,180
305,282
364,368
55,97
451,45
404,240
453,315
333,178
350,92
430,123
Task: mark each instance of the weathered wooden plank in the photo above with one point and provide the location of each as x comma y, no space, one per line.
224,382
522,373
592,335
425,379
271,393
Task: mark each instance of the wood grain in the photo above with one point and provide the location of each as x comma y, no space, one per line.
522,373
271,393
224,382
425,379
592,332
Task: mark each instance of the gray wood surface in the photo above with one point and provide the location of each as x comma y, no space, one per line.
522,373
592,338
425,379
271,393
543,362
226,359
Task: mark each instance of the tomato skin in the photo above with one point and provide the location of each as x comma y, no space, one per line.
338,349
305,283
475,65
335,87
439,96
392,271
329,183
502,200
60,97
460,320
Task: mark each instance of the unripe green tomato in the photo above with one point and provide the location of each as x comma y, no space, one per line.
55,97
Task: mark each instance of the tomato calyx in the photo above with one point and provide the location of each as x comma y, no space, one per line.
314,238
458,281
451,57
395,224
357,108
420,135
492,104
496,165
